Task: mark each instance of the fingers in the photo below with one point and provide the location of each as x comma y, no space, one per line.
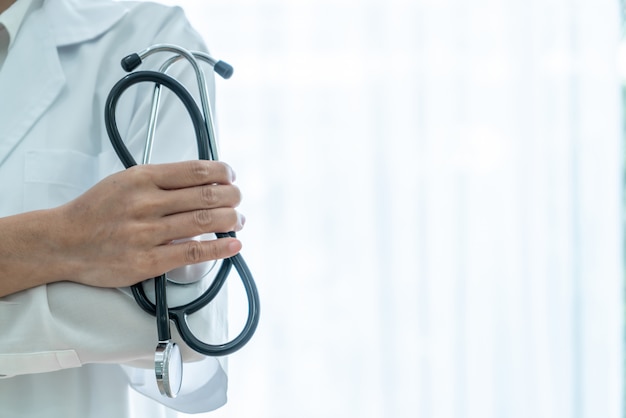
121,230
200,197
190,173
166,189
187,211
190,224
193,252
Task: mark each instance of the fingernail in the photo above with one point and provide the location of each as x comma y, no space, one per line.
241,220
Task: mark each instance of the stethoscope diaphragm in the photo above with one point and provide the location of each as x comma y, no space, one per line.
168,367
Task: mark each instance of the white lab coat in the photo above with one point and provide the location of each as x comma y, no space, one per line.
61,345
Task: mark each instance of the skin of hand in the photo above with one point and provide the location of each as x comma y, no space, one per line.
4,4
120,231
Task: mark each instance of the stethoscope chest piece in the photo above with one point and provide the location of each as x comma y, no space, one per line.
168,367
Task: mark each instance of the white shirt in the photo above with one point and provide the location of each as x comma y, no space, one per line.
10,22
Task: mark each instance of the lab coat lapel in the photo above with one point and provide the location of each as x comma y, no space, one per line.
76,21
27,91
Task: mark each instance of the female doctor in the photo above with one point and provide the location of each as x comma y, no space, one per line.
77,229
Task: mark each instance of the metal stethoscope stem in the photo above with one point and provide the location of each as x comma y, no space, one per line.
168,360
222,68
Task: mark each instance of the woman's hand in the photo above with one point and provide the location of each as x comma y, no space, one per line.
120,231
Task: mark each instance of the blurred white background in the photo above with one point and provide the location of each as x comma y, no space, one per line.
434,199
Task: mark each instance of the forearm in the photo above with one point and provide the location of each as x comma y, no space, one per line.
28,250
66,325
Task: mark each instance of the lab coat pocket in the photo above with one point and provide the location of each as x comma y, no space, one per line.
54,177
45,361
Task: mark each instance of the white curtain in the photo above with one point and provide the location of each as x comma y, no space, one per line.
434,204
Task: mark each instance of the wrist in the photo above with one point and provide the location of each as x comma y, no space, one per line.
31,253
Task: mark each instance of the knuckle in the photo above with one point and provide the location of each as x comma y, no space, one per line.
141,206
208,195
212,251
203,218
140,174
145,234
149,262
199,170
210,171
193,252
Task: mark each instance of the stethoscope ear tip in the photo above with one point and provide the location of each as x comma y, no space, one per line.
130,62
224,69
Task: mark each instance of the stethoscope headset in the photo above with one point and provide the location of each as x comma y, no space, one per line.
168,359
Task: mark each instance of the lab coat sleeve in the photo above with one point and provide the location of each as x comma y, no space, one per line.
64,325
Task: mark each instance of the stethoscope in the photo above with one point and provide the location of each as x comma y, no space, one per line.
168,362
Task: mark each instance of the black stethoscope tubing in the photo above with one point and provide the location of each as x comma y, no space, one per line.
179,314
